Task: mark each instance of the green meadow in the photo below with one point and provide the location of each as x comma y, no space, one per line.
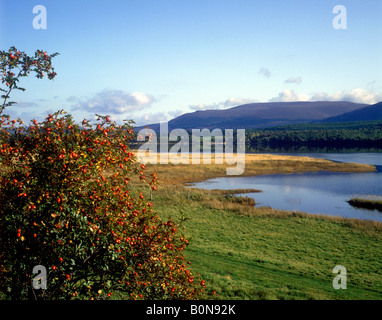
245,252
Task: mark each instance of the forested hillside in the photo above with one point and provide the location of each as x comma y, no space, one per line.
320,135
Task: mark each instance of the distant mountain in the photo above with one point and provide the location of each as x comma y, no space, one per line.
368,113
260,115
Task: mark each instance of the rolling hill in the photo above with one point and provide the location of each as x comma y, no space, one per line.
261,115
368,113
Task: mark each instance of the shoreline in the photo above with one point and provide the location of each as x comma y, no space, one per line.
256,165
251,252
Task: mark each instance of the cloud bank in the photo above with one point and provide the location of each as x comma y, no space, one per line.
229,103
289,95
113,102
357,95
149,118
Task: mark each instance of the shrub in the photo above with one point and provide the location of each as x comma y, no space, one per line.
66,204
15,64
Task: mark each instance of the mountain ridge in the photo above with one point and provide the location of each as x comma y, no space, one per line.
268,114
368,113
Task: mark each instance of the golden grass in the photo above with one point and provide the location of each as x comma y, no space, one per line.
175,195
174,179
255,164
241,249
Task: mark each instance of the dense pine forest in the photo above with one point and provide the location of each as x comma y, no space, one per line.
319,136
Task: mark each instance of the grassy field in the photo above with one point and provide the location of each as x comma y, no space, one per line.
244,252
255,164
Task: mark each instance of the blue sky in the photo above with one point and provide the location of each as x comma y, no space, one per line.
151,60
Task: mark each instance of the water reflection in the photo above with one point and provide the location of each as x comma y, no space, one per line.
318,193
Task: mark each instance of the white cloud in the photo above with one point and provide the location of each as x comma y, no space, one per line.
142,98
113,102
150,118
357,95
229,103
175,113
26,116
265,72
198,107
289,95
233,102
297,80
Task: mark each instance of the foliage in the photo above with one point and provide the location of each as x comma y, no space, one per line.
67,205
15,64
340,135
61,209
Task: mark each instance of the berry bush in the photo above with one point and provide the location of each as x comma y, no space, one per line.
67,204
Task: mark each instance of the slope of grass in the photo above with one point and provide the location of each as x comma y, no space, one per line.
271,254
244,252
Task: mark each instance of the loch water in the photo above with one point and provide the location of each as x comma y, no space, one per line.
323,193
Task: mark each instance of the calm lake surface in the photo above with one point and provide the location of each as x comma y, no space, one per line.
317,193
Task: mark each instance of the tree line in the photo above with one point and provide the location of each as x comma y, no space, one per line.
337,136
